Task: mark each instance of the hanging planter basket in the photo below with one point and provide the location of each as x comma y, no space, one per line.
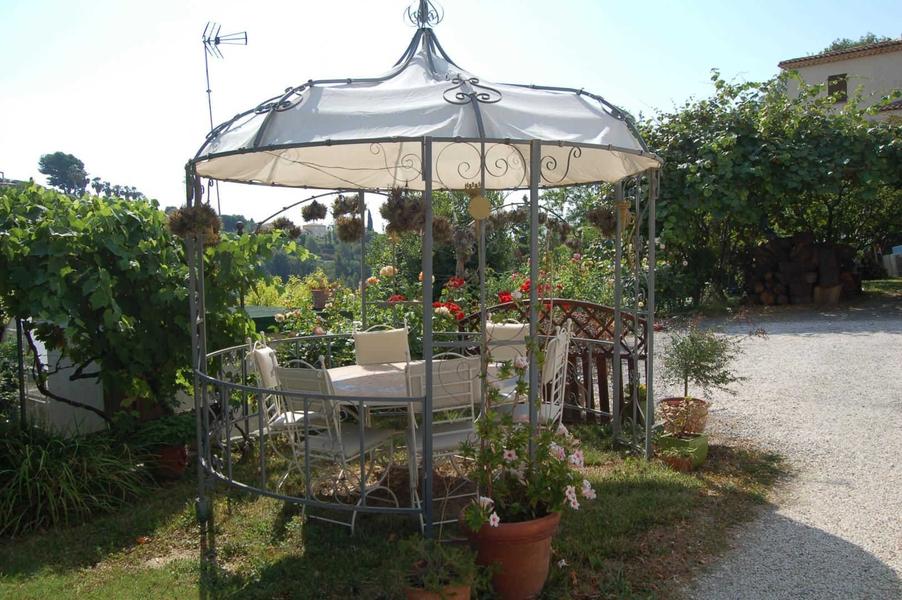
403,212
604,219
199,219
315,211
349,229
287,226
345,205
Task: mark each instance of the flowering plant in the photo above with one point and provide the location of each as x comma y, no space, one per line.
514,488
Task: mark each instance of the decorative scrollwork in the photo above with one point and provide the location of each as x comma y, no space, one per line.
466,90
550,165
500,162
425,13
409,162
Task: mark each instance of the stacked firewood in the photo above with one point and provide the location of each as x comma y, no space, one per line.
797,270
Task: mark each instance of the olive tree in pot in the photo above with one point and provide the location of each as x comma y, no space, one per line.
511,525
436,571
705,360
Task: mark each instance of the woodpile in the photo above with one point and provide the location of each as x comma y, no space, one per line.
797,270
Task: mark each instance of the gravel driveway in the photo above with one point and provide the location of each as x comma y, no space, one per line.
824,389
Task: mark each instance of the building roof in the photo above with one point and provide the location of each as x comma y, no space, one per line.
846,54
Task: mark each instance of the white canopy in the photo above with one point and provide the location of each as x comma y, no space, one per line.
369,133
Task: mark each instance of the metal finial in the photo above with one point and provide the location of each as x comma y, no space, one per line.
425,14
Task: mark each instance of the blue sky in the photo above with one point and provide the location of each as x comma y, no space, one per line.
120,84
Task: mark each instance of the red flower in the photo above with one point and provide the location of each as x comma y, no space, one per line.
459,315
452,307
437,304
456,282
397,298
525,286
505,297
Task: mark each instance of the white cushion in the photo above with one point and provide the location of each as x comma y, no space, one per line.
506,332
380,347
266,363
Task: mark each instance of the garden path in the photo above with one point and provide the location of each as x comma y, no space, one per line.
824,389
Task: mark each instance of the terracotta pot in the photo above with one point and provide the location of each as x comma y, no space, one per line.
692,447
320,298
521,553
684,415
171,462
452,592
683,464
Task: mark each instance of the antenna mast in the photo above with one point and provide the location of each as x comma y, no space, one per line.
212,39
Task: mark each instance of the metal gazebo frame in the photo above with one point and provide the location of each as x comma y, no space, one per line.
212,391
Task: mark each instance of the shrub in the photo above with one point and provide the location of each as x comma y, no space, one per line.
47,480
171,430
9,381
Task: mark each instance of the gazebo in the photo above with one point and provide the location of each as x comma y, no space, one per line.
427,124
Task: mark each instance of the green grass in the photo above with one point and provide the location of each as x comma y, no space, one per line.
891,287
649,527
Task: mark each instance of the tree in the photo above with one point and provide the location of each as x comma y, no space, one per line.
846,43
103,280
751,162
64,172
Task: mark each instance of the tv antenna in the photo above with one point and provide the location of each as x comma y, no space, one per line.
213,38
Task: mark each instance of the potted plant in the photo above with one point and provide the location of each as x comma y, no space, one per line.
512,523
199,219
315,211
704,359
165,440
319,288
436,571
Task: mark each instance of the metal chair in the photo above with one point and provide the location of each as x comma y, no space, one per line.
381,344
455,394
318,438
554,379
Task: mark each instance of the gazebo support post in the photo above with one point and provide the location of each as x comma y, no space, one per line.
20,355
650,317
616,365
535,166
194,256
362,203
427,337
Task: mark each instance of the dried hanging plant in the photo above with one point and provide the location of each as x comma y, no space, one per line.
442,230
464,241
288,226
345,205
349,229
403,212
314,212
197,219
604,219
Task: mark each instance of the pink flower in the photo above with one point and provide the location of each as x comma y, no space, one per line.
587,491
485,502
494,520
510,455
570,493
574,504
561,430
576,459
520,362
557,451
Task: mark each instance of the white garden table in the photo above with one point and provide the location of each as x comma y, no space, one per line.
388,380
